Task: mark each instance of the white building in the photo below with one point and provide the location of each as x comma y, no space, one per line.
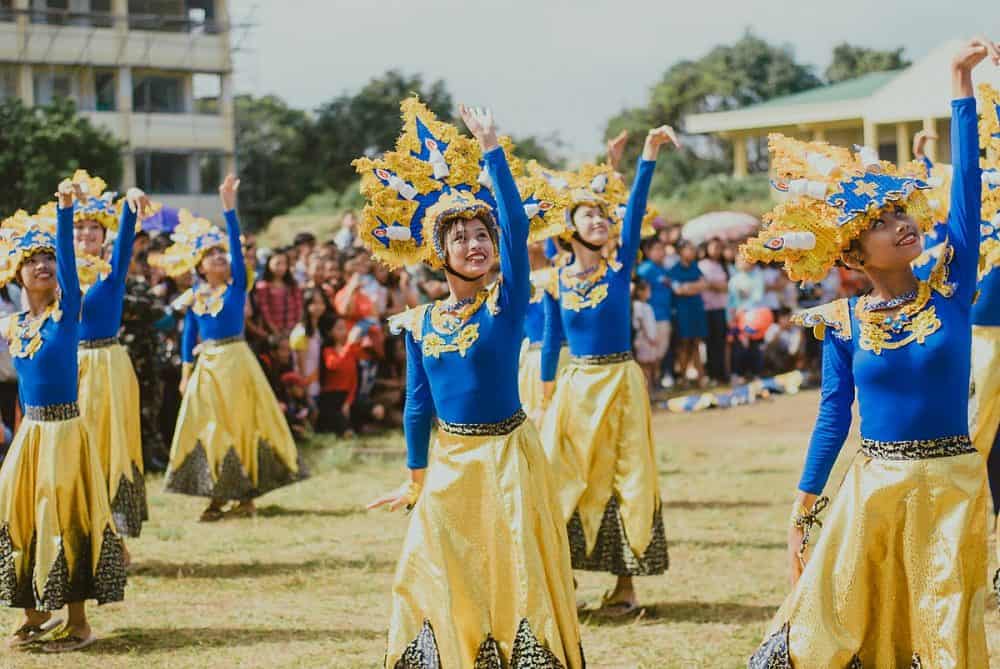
882,110
157,73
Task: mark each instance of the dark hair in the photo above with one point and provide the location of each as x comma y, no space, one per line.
646,244
307,297
326,323
639,285
304,238
288,279
159,243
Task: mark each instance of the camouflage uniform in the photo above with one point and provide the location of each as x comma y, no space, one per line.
145,346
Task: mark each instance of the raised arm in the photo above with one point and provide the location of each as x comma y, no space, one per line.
66,275
966,184
552,338
513,223
227,191
121,255
636,208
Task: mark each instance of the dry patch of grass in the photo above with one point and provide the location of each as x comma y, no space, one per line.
307,583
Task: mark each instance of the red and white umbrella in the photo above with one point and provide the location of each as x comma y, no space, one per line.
726,225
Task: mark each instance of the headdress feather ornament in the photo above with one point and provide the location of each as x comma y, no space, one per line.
192,239
435,174
834,195
89,268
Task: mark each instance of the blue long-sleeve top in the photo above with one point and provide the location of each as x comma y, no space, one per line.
463,381
103,301
660,294
542,284
50,375
920,390
602,326
229,321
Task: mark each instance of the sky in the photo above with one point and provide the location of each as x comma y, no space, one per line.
554,67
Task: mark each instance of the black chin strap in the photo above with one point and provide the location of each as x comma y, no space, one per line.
592,247
449,270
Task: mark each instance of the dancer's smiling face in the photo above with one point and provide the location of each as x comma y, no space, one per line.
892,242
469,247
88,237
214,265
591,224
38,272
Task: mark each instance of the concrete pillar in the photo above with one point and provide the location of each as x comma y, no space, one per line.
903,138
194,173
124,105
870,134
227,110
931,147
739,156
819,134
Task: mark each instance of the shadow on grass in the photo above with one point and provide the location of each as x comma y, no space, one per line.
690,504
277,511
179,570
150,639
689,612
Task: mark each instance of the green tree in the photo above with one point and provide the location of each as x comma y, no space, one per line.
853,61
276,171
729,76
545,150
39,147
367,122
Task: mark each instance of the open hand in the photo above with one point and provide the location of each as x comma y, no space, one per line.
616,147
138,202
227,191
395,500
920,141
974,52
480,123
69,191
656,138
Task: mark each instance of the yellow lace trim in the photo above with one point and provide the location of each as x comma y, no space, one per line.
434,344
24,333
451,331
208,300
585,291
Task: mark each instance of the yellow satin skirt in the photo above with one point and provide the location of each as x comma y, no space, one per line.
484,578
984,405
529,379
231,439
109,408
897,578
58,543
598,440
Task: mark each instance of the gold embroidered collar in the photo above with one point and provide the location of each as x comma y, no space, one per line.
208,300
913,322
583,290
450,327
24,332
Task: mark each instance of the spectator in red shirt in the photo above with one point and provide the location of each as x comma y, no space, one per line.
279,297
352,304
338,376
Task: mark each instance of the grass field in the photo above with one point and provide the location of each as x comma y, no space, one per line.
306,584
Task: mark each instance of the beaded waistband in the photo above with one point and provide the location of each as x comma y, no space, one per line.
221,342
52,412
505,426
602,359
98,343
918,449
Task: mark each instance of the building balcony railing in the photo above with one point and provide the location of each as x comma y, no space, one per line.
208,132
154,22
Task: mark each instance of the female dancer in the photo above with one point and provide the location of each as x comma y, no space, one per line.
597,432
109,389
484,578
529,379
58,544
231,440
898,577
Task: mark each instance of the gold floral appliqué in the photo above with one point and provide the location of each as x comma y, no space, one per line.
450,330
208,300
585,290
915,322
24,333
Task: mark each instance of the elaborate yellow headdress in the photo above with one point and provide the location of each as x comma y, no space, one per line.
88,267
833,196
192,239
435,174
989,138
22,236
100,205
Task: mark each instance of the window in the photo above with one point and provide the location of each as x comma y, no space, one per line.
162,173
157,93
53,12
887,152
6,10
8,82
210,167
53,84
207,92
106,91
166,15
